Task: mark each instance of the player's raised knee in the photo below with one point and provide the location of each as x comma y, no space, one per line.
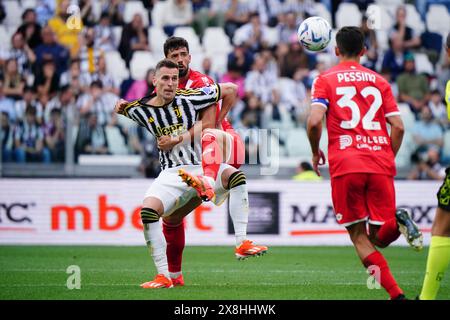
149,215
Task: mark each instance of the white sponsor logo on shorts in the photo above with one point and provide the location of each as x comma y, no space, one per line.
338,217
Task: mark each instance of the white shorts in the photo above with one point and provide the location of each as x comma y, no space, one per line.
174,193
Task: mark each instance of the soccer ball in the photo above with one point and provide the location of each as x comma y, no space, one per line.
314,33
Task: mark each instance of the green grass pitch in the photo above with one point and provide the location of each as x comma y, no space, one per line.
211,273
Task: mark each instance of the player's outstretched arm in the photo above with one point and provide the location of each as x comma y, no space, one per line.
228,96
397,131
314,130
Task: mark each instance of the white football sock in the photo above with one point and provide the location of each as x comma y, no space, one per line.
175,275
156,244
239,210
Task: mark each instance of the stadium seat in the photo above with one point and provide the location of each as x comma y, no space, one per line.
446,147
407,116
115,65
189,34
196,61
133,7
158,13
116,142
380,17
29,4
273,36
383,40
117,31
423,64
322,11
157,37
215,40
413,19
219,62
5,44
13,14
403,158
140,63
297,143
348,14
438,19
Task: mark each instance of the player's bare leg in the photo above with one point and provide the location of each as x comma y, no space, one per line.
173,228
151,212
373,259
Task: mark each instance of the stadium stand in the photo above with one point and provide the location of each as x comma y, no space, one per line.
227,57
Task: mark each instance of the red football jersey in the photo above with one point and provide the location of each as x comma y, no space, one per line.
197,79
357,100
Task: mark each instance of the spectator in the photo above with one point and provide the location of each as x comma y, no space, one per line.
235,76
134,38
253,34
91,137
30,28
288,29
110,83
6,137
144,144
66,27
79,81
99,103
50,49
55,136
427,133
28,100
259,82
178,13
114,9
6,104
207,69
408,38
438,109
46,82
305,172
276,110
89,53
13,81
394,58
427,166
269,10
141,88
241,59
386,74
87,13
45,9
63,101
201,18
371,44
236,15
295,59
216,13
252,114
21,52
105,39
413,88
29,140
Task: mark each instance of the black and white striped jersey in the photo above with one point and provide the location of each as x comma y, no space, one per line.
174,119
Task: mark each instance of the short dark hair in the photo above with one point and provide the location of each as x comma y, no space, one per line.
97,83
306,166
350,41
174,43
448,41
167,64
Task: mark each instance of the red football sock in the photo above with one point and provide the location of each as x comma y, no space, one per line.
387,281
175,245
388,232
211,155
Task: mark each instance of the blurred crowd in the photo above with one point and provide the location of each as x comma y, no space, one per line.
55,74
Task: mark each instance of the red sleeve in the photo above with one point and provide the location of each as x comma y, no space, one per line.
319,92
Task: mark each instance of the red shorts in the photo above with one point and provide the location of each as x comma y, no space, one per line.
236,154
361,196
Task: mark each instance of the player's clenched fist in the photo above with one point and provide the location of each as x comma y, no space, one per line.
166,143
120,105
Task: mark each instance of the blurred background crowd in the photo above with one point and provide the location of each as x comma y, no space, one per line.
63,65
